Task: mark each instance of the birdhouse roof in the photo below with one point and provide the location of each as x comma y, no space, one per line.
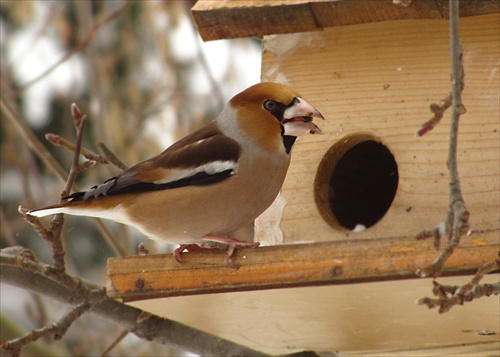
224,19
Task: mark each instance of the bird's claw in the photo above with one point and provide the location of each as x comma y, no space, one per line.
232,245
189,248
231,242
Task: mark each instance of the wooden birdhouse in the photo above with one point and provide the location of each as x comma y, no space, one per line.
369,176
356,196
374,68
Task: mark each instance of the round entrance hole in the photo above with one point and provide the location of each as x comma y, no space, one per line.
356,182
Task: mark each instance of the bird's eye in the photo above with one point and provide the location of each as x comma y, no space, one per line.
270,105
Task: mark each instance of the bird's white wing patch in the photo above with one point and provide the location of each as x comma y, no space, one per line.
211,168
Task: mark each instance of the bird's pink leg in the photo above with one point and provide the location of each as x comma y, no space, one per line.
189,248
232,245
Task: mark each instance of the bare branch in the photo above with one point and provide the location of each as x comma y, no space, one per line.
58,140
485,269
19,267
456,223
449,296
58,221
116,341
111,157
438,110
435,233
445,304
43,154
57,330
79,120
53,234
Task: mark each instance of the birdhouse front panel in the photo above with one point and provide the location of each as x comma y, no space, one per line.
368,175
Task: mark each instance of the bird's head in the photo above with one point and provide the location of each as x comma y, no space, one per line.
272,112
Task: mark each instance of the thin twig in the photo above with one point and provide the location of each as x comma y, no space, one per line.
58,140
51,235
43,154
456,222
485,269
58,251
435,233
438,110
79,121
57,222
111,157
115,342
57,329
446,304
449,296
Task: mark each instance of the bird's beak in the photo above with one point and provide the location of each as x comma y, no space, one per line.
297,119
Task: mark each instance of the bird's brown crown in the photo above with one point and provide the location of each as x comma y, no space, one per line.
257,122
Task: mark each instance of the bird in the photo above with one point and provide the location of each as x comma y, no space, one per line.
213,181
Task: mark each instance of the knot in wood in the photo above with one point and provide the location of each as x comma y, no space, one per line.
337,270
139,284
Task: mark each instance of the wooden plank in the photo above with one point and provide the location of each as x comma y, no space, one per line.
219,19
373,319
153,276
243,18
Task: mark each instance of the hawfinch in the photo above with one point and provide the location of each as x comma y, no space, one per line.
210,183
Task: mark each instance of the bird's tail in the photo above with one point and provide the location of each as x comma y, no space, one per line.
90,208
47,211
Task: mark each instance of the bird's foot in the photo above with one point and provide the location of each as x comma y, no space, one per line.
232,245
189,248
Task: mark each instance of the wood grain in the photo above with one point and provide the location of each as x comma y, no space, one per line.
380,79
148,277
374,319
244,18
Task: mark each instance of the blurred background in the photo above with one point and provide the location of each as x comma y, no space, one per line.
143,76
